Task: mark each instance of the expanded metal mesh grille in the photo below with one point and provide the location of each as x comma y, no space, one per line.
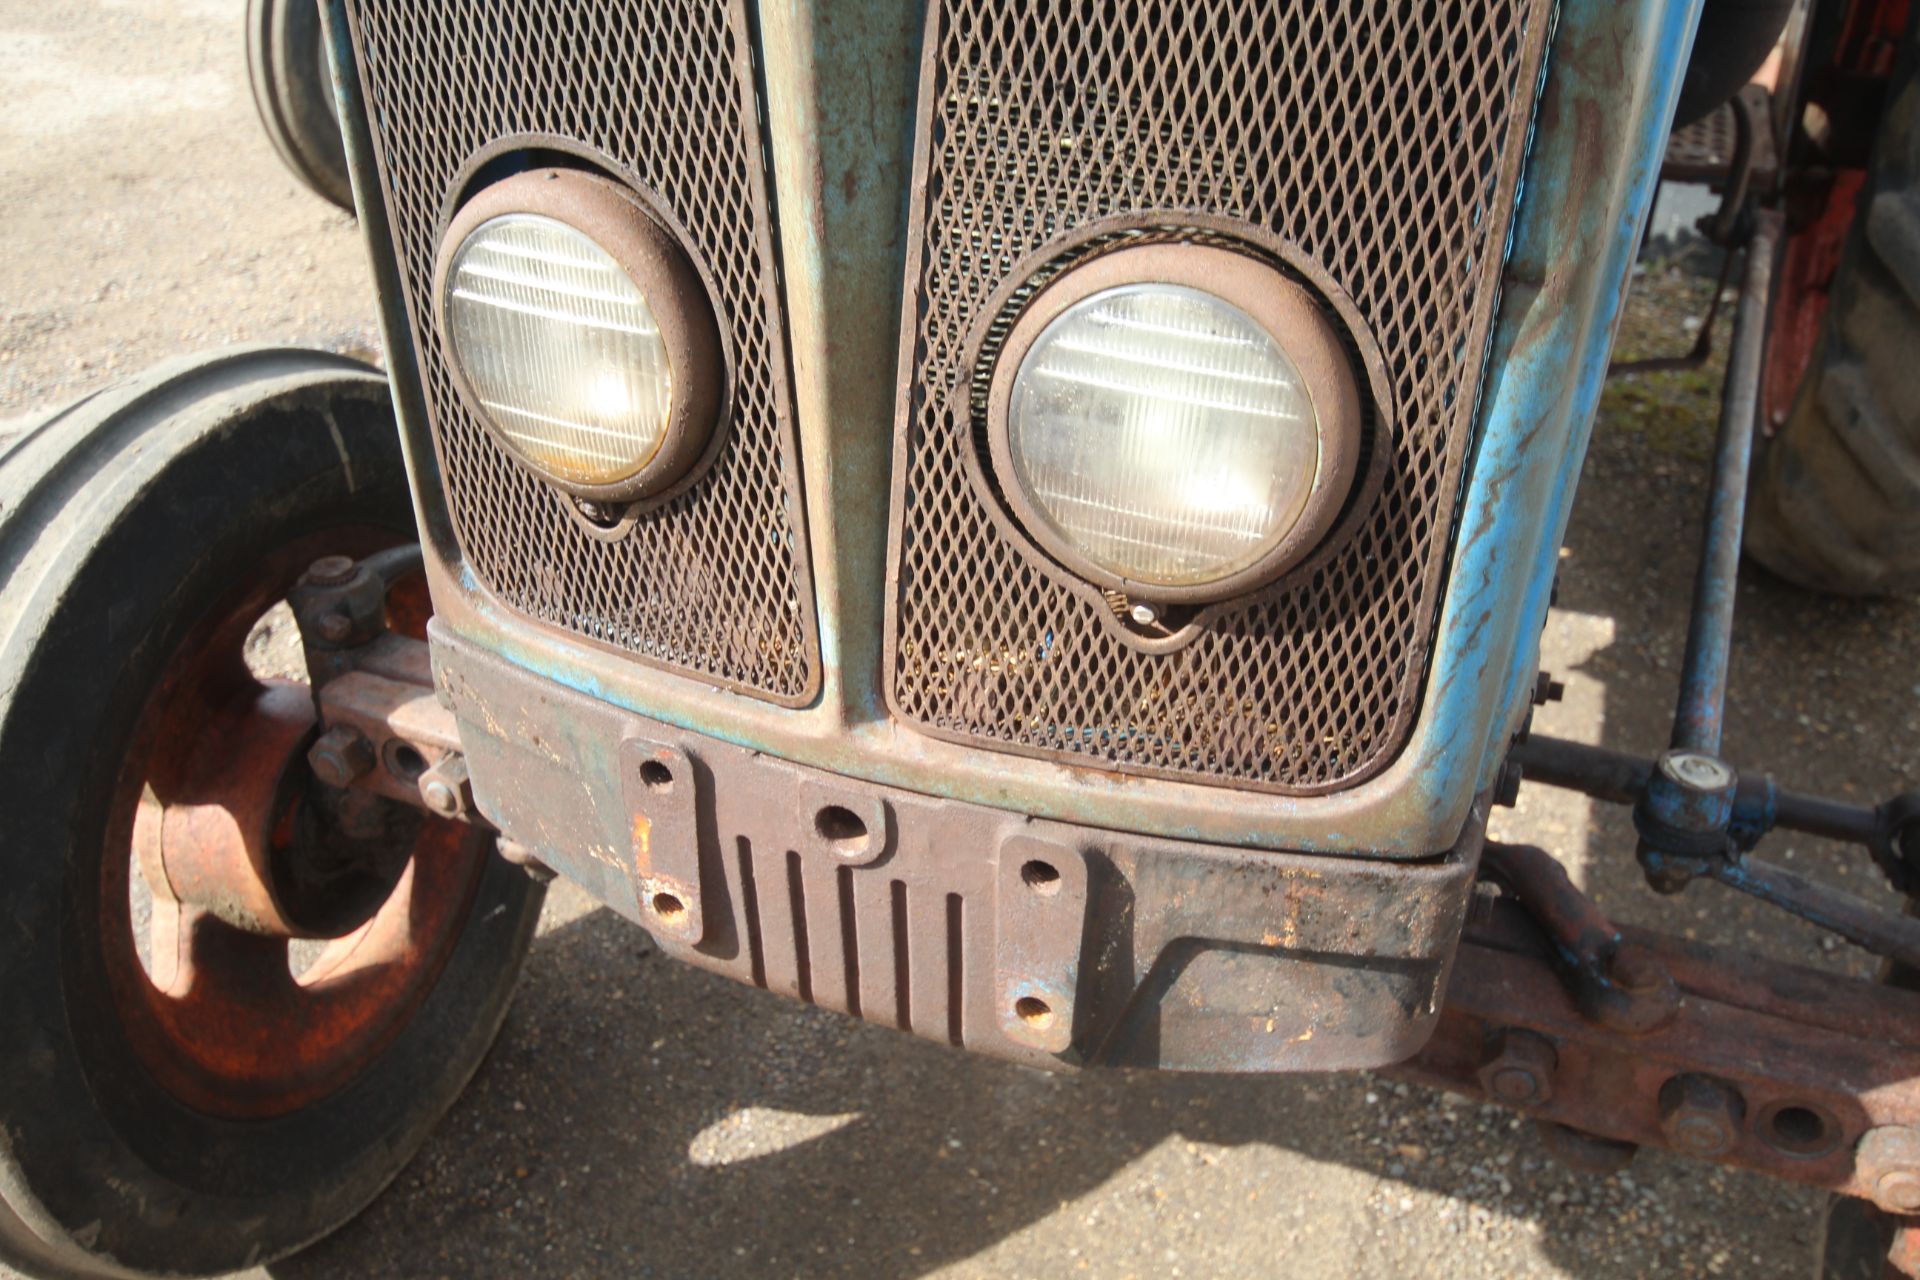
1380,137
713,582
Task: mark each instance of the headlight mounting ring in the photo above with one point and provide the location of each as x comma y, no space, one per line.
1283,289
617,219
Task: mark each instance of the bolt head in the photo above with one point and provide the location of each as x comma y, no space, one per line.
1700,1135
336,628
1518,1068
440,797
1898,1191
1635,969
330,571
340,756
1887,1163
1701,1116
1514,1085
1697,771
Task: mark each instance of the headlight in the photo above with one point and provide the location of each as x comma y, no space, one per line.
1180,422
580,333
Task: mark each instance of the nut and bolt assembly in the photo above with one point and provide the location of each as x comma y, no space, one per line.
341,756
1517,1068
1683,816
446,788
330,571
1887,1161
1701,1116
1636,970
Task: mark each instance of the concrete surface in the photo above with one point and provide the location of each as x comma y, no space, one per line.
638,1118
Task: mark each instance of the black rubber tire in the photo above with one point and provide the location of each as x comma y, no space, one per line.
1836,498
1854,1240
122,520
293,92
1733,42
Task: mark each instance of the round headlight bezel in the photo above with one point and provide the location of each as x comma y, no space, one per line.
1299,324
620,223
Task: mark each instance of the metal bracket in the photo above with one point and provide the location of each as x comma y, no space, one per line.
662,791
1040,905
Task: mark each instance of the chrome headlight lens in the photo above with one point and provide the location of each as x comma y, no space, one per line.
1183,433
580,334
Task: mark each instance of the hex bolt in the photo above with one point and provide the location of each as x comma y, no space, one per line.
1700,1115
1636,970
440,797
1697,771
1517,1068
1887,1161
330,571
1898,1191
1546,689
443,786
341,756
336,628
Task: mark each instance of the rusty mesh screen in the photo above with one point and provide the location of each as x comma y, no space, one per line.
715,581
1380,137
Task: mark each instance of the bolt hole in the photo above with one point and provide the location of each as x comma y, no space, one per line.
1034,1011
669,908
844,830
1041,877
405,762
1798,1130
656,776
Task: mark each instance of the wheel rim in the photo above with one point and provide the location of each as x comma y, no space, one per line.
217,1014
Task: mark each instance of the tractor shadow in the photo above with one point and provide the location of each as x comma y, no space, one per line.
639,1118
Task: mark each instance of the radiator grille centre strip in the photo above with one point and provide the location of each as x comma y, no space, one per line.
1380,138
714,582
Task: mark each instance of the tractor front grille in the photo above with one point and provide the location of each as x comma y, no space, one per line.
715,582
1382,141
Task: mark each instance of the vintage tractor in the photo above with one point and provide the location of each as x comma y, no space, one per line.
1026,523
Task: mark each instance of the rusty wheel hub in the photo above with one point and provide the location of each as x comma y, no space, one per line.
241,853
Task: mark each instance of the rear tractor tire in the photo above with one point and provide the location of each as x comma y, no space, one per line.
1836,500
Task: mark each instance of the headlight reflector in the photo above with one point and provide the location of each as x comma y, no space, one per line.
1179,421
560,348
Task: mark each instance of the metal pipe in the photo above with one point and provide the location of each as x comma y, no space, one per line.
1703,684
1600,772
1855,919
1758,807
1830,818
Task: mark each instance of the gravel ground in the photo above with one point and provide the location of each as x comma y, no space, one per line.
639,1118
